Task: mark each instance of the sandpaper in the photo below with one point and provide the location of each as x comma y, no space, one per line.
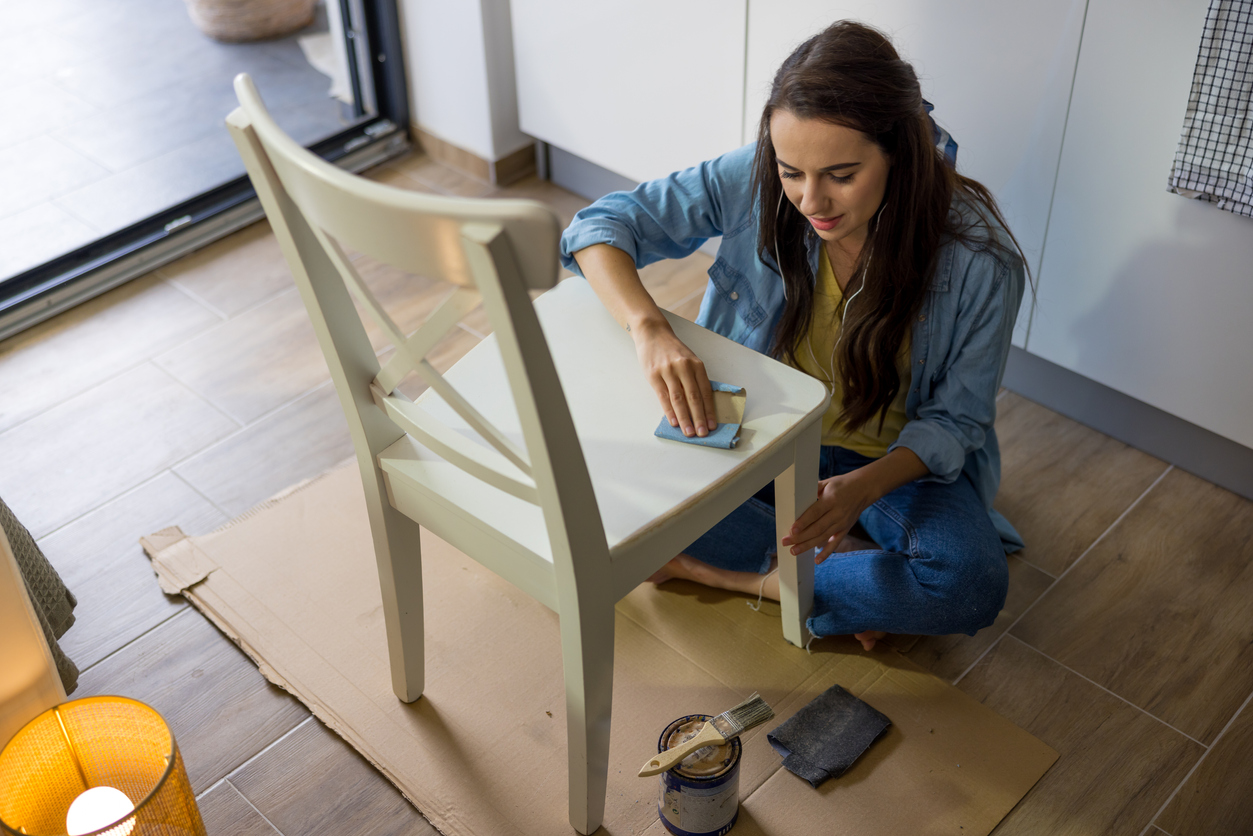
729,404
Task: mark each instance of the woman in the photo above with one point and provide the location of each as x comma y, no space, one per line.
851,249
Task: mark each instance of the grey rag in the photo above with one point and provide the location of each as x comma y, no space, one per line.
828,735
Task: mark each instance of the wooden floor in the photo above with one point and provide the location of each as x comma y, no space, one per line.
189,395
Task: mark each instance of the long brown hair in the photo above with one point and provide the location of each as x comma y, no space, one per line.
850,75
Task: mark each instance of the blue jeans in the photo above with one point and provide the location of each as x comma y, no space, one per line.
941,570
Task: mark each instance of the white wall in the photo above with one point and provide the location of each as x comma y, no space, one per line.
460,73
1145,291
642,88
998,73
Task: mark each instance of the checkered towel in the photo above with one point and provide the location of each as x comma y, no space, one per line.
54,604
1215,157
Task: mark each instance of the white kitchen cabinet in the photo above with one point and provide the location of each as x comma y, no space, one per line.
1145,291
1141,290
642,88
998,73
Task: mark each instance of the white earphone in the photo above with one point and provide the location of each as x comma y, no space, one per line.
830,367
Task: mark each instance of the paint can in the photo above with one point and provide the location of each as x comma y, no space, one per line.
700,796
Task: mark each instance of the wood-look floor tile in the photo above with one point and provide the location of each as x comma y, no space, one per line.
1063,484
408,299
1117,766
1217,799
220,708
949,656
452,348
565,204
313,783
287,446
439,177
254,362
101,443
92,342
227,813
235,273
689,309
1159,611
673,281
392,176
445,354
100,559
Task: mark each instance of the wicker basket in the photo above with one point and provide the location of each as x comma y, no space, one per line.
250,20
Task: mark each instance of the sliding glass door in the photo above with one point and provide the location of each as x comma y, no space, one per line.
114,158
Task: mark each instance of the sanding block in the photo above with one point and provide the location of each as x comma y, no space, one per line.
728,412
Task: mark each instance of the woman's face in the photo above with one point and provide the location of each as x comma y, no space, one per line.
835,176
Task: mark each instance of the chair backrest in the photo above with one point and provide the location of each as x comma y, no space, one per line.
493,249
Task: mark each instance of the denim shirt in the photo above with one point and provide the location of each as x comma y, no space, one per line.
960,339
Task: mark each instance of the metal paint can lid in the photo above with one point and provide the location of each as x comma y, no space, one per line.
704,764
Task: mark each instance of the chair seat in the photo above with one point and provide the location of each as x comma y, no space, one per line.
640,481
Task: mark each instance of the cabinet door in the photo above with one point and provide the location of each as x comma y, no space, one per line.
999,75
1143,290
642,88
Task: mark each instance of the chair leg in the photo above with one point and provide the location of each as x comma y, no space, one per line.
398,553
795,490
587,659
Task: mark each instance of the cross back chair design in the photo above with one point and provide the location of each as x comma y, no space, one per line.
534,454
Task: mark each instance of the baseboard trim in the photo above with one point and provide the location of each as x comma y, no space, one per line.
587,179
513,167
508,169
1195,449
583,177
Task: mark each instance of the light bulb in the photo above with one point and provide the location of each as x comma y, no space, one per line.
97,808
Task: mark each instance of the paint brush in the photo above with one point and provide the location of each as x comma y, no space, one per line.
726,726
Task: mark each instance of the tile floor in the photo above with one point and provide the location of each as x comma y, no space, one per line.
114,112
189,395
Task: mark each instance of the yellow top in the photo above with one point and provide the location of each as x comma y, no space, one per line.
814,357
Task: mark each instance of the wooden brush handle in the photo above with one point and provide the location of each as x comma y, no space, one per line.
708,736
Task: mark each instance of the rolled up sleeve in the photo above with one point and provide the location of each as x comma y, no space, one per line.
666,218
956,419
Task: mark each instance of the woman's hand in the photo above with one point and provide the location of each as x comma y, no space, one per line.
675,373
678,378
841,499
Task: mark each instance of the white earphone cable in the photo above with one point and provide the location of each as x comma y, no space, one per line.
830,367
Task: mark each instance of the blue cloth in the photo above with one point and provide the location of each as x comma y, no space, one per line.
941,570
726,436
958,345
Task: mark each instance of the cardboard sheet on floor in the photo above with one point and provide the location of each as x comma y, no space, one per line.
293,582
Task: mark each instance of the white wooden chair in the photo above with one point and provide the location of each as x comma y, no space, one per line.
535,454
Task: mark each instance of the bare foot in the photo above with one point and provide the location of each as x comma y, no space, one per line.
868,638
688,568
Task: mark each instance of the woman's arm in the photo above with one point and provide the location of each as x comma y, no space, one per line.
961,408
841,500
676,374
667,218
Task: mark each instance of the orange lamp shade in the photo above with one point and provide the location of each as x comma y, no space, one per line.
98,765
